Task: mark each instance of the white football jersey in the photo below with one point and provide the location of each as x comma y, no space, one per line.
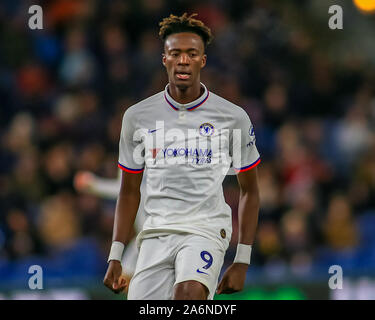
186,150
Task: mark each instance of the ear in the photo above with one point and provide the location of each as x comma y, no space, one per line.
204,60
163,59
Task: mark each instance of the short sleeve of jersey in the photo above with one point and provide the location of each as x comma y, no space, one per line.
131,156
245,155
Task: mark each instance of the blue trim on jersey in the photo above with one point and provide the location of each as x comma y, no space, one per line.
165,96
196,106
250,166
129,169
190,108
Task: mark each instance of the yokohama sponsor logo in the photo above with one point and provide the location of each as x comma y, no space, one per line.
193,152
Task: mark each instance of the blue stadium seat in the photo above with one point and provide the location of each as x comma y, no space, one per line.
73,265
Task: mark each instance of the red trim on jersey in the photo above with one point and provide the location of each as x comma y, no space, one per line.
251,166
122,167
192,108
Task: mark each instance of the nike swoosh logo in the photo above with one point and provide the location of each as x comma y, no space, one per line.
201,272
151,131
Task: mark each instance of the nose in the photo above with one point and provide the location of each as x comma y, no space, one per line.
184,59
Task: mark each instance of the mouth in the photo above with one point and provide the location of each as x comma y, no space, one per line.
183,75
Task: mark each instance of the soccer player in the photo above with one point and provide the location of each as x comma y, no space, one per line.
185,139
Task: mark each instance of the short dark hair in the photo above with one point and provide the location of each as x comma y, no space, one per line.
185,23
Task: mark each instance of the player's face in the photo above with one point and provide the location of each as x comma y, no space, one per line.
184,58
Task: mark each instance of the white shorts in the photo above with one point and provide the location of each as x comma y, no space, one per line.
167,260
129,259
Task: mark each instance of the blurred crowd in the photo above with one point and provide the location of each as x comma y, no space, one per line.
64,89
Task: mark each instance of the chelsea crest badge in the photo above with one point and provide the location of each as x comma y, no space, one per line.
206,129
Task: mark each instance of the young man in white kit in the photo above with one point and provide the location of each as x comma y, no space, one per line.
185,138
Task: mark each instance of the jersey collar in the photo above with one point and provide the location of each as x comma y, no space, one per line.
187,106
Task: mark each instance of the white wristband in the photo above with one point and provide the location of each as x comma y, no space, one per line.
243,253
116,252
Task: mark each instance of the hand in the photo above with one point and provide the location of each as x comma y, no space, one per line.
114,279
83,181
233,279
125,278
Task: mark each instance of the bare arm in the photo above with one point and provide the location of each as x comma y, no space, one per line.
248,207
248,211
125,213
127,206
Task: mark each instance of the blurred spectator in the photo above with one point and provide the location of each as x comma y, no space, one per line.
58,222
22,240
362,190
353,135
78,65
339,227
295,233
268,242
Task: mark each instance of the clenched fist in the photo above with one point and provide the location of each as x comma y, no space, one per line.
114,279
233,279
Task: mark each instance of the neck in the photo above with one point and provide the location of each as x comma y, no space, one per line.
185,95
